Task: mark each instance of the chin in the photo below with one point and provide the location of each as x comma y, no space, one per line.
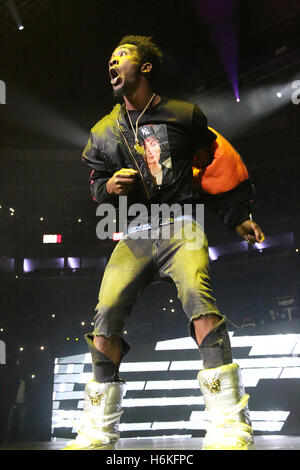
118,95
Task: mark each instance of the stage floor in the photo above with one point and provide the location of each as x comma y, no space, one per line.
268,442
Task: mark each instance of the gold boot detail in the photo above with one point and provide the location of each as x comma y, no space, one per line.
99,424
227,405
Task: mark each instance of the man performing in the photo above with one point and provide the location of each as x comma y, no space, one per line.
156,150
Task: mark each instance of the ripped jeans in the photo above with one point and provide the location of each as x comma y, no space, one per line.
178,251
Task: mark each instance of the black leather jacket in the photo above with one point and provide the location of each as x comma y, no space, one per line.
111,147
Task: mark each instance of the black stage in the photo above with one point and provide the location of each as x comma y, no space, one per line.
268,442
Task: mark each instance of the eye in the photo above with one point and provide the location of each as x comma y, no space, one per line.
122,53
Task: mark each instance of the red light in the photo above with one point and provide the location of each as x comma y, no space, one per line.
117,235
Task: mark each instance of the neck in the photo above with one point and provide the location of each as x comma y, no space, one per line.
138,99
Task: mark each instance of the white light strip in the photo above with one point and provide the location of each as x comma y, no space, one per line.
78,359
144,366
86,377
260,345
266,421
175,344
70,368
135,426
267,362
254,415
63,387
186,365
68,395
267,426
269,415
63,369
290,373
73,378
256,425
161,401
171,384
180,425
251,377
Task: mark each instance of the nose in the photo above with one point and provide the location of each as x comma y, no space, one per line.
113,62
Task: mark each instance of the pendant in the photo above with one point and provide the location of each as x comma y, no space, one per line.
139,149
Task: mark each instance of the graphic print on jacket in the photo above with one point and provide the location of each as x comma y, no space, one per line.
157,154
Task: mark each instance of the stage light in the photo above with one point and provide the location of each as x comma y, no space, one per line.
41,218
238,100
14,12
171,300
42,348
172,309
52,238
53,316
33,376
1,330
278,94
79,220
82,323
21,349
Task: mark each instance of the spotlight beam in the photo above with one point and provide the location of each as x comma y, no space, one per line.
13,10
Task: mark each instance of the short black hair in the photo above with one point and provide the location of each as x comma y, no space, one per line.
147,50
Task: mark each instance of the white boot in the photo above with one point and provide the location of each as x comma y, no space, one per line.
99,425
227,405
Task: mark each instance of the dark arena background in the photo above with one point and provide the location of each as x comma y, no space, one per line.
240,62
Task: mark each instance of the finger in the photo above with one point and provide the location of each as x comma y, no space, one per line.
126,171
259,236
125,182
251,240
124,177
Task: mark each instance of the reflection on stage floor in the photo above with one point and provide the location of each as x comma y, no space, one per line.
267,442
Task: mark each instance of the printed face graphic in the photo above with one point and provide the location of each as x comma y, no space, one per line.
157,152
152,149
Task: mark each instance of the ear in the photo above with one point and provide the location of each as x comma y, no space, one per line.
146,68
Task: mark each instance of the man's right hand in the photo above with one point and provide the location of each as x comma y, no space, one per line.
122,182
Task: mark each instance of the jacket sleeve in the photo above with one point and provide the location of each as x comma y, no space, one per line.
100,174
225,185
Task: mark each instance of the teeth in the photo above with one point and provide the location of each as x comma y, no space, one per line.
116,80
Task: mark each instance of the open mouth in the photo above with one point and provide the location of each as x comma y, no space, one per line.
115,78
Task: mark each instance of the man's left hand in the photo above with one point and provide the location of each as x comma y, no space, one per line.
250,232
